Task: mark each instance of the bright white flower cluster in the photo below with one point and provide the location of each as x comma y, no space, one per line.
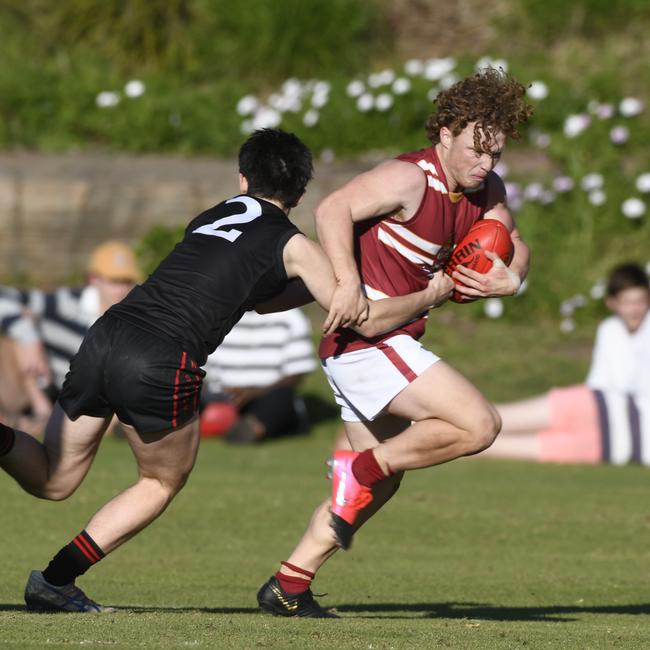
295,96
111,98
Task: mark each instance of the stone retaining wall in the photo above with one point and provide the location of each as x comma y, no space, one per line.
55,208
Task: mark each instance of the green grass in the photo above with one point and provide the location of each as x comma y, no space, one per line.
474,554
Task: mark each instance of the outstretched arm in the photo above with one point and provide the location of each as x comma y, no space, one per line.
306,260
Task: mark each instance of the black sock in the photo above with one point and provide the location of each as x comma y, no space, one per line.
73,560
7,439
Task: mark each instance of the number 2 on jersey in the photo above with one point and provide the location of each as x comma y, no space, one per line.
216,228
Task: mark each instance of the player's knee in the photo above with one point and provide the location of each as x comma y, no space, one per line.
52,492
484,432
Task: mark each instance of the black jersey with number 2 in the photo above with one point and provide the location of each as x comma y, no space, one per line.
229,260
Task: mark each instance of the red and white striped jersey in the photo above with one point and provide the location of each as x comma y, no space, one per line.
395,257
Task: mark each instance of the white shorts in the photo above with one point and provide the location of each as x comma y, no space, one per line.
365,381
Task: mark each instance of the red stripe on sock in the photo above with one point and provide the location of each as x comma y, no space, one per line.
80,546
298,569
88,546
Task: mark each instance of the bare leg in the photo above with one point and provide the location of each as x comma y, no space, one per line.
165,460
525,416
317,543
522,446
54,468
451,419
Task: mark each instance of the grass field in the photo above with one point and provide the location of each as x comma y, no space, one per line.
475,554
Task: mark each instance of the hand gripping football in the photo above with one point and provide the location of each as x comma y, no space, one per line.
484,235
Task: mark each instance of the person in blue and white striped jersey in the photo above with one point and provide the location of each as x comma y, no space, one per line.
258,368
40,331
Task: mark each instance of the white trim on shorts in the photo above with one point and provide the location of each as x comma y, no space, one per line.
365,381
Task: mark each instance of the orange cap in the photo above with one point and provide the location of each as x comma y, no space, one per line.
114,260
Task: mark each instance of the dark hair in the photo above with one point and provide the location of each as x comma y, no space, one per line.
491,98
277,165
626,276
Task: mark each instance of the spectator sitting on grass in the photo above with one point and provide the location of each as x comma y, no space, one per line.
606,420
257,369
41,331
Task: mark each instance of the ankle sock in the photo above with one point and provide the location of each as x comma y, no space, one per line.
367,470
294,584
73,560
7,439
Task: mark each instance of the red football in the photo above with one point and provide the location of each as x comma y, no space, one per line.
484,235
217,418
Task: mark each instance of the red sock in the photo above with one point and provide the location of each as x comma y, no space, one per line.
366,469
294,584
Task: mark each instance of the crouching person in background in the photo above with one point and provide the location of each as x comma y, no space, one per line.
250,390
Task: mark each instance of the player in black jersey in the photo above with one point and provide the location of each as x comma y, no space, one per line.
142,360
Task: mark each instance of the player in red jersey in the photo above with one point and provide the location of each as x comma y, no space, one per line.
386,232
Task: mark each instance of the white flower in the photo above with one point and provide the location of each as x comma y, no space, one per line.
563,184
643,183
633,208
448,81
437,68
579,300
567,308
592,181
433,93
414,67
247,127
375,80
355,88
501,169
401,86
605,111
597,197
384,101
630,107
319,99
533,191
327,156
548,196
107,99
322,87
493,307
292,88
542,140
574,125
567,325
598,290
134,88
537,90
247,105
619,134
365,102
266,118
310,118
387,77
500,64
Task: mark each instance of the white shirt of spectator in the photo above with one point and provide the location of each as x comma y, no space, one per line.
261,350
621,360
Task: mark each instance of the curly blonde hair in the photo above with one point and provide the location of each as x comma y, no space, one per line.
491,98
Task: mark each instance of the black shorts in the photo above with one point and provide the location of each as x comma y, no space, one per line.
147,380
